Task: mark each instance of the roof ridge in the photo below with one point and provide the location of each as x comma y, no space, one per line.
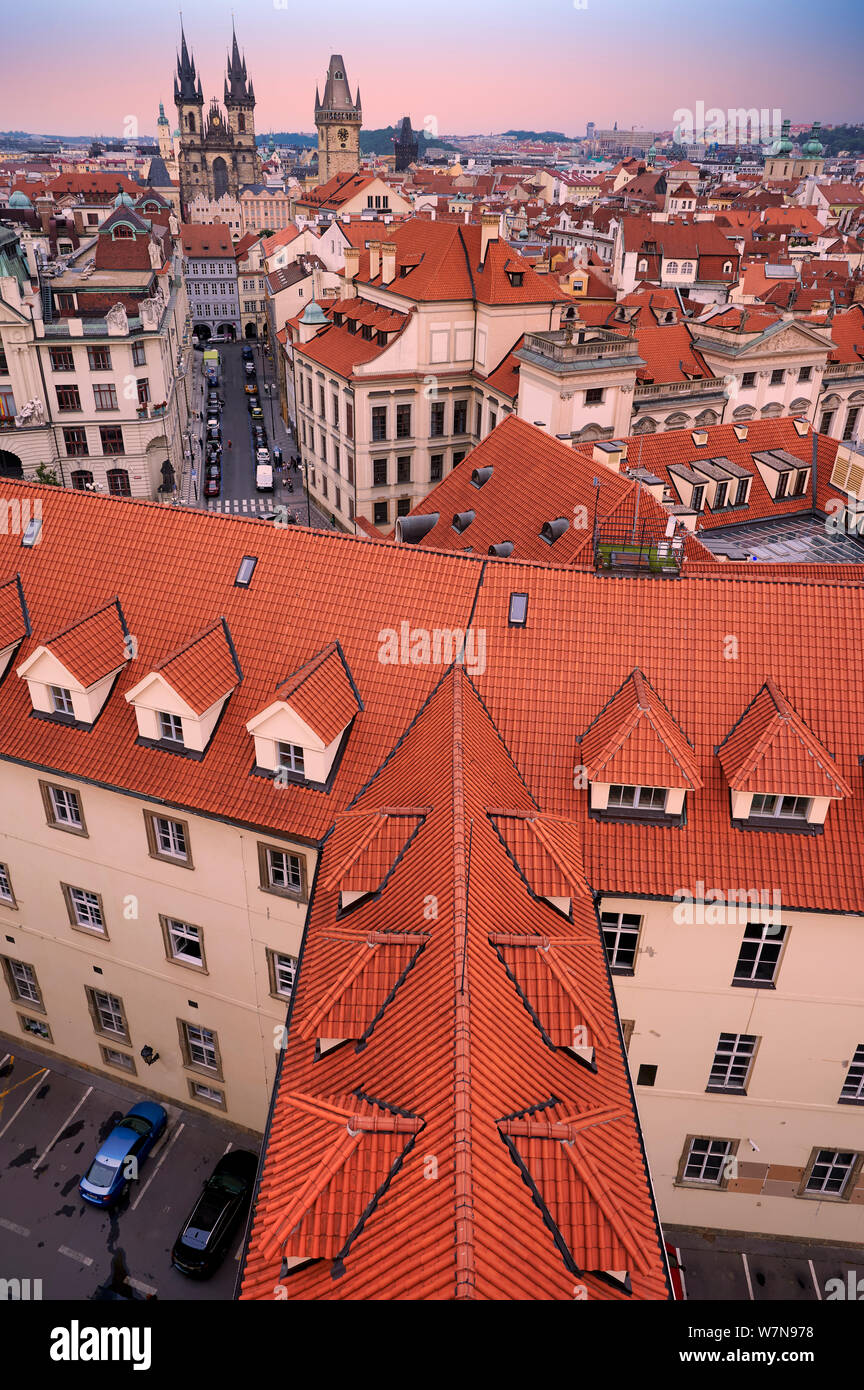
463,1157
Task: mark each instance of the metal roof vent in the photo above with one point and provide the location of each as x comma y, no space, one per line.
479,476
462,520
552,530
410,530
502,549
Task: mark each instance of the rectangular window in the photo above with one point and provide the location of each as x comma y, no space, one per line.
638,798
403,506
6,894
748,379
183,942
478,419
733,1061
168,839
349,419
36,1026
436,468
84,908
742,490
697,497
460,417
436,419
68,398
780,807
594,395
283,974
759,955
291,757
112,439
123,1061
621,939
139,355
108,1014
493,419
105,397
805,373
281,871
210,1095
75,441
853,1087
706,1161
22,982
63,808
62,359
143,388
321,411
518,611
720,495
379,472
61,700
830,1172
335,409
826,422
403,470
782,486
170,727
777,377
381,513
99,359
379,423
403,422
851,421
200,1047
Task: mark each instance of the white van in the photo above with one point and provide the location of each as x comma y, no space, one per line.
264,478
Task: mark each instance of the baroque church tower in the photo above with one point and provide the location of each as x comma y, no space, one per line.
217,152
338,120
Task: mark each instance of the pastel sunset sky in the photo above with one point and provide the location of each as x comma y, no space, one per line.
476,65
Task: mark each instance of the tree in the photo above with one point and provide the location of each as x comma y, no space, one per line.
48,475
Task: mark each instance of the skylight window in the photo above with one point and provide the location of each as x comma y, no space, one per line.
246,570
31,534
518,610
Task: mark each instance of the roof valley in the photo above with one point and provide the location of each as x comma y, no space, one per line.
463,1175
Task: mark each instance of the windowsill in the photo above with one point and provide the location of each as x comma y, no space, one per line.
622,970
200,1070
296,895
753,984
171,859
90,931
31,1006
169,746
725,1091
188,965
621,816
69,829
848,1100
700,1186
779,827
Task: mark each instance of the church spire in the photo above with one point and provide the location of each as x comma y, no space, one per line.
184,82
237,88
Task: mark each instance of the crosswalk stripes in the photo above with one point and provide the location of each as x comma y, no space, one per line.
237,506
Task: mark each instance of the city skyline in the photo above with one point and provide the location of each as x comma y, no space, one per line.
482,97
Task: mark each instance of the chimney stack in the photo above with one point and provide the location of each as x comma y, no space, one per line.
488,232
388,262
374,258
352,262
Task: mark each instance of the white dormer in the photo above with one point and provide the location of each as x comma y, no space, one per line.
178,703
71,675
299,733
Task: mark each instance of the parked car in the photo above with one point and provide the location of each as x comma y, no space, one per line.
251,388
213,480
213,453
214,432
248,353
256,412
133,1138
259,434
206,1233
249,368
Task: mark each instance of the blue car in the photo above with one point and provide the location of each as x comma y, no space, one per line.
132,1138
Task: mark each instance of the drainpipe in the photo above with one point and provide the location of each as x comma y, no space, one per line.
813,468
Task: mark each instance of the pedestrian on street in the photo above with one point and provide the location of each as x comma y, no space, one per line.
229,443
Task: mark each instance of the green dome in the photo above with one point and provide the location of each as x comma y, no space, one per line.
784,144
814,149
20,200
313,314
738,161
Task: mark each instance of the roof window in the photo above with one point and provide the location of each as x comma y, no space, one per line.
518,614
245,572
31,532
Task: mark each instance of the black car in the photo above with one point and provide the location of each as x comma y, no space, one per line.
247,353
206,1234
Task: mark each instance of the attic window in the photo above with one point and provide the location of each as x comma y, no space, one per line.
170,727
245,572
405,270
518,615
479,476
367,332
337,319
516,277
31,533
764,807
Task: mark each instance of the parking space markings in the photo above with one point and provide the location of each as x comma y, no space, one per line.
43,1072
10,1226
139,1287
747,1276
74,1255
162,1157
815,1281
5,1059
65,1125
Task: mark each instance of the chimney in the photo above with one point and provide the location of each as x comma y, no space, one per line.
352,262
801,425
374,258
388,262
699,437
488,232
611,455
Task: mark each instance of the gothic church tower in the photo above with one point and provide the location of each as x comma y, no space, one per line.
338,120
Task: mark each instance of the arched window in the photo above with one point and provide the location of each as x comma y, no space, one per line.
122,231
81,479
642,266
190,121
118,482
672,267
686,267
727,267
241,122
645,426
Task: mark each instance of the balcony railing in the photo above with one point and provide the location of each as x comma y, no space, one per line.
559,350
631,550
680,388
843,369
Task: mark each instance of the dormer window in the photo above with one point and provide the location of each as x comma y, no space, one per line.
516,277
672,267
291,758
720,495
697,497
170,726
742,492
642,266
638,798
61,700
764,807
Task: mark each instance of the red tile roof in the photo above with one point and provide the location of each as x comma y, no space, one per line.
203,670
213,239
13,617
635,739
94,646
322,693
771,750
465,1039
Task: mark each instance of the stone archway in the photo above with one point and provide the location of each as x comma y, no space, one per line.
202,332
251,331
10,465
227,332
219,170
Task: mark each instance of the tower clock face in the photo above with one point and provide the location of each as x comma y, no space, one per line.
343,134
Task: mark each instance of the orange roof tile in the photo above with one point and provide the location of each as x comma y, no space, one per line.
94,646
203,670
14,623
771,750
323,693
635,740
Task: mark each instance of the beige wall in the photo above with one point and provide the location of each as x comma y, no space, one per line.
680,999
220,894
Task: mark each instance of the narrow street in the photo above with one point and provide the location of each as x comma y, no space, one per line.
238,495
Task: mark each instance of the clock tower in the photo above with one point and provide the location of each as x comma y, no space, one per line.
338,120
